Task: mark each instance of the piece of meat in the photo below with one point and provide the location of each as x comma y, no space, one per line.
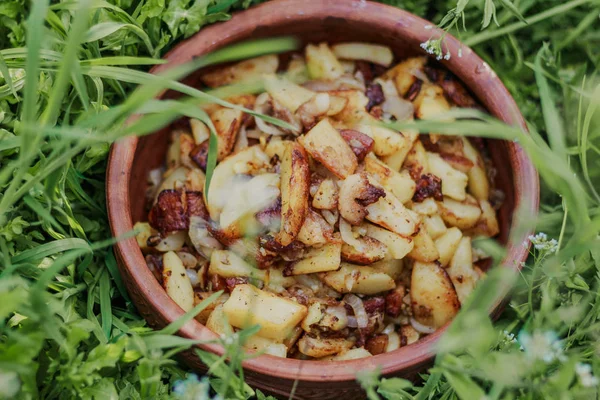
428,185
195,204
169,214
414,90
375,95
377,344
199,155
360,143
394,301
374,305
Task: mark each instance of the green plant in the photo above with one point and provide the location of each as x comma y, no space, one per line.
67,328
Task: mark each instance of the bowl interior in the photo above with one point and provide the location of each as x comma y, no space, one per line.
311,21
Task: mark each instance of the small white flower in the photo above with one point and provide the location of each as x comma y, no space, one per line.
584,372
447,56
543,346
541,243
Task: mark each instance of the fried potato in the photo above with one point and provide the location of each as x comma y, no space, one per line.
487,225
371,250
315,347
173,151
144,232
249,161
287,93
398,246
295,184
326,197
244,71
352,354
217,322
435,226
326,145
266,346
322,63
479,186
321,259
186,145
424,247
447,244
315,230
200,131
430,102
454,182
356,194
227,124
463,215
176,282
227,264
399,183
396,160
425,207
387,141
416,160
246,307
404,73
391,267
355,108
276,282
374,53
359,279
461,270
389,212
434,300
409,333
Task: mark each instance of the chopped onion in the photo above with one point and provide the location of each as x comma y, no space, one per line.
200,237
340,313
309,281
420,327
242,140
348,236
263,106
193,275
419,74
362,319
188,260
330,216
352,322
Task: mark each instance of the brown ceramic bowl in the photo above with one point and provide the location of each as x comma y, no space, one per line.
312,21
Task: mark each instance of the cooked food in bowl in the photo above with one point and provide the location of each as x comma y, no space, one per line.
339,237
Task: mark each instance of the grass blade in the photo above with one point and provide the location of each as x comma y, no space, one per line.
105,303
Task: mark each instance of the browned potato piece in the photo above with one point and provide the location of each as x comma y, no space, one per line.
389,212
430,103
408,335
315,230
322,63
424,249
243,71
454,182
392,267
398,246
326,197
186,145
372,250
487,225
404,73
319,259
314,347
399,183
447,244
416,160
355,108
374,53
434,300
227,124
359,279
204,314
395,161
461,270
326,145
479,185
295,183
435,226
463,215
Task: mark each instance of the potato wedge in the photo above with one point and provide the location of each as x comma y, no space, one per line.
463,215
266,346
431,102
447,244
424,249
203,316
314,315
326,145
227,264
356,194
408,334
326,197
387,141
435,226
276,282
249,161
390,267
396,160
426,207
416,160
454,182
218,323
479,185
244,71
389,212
352,354
173,151
370,251
404,73
315,230
186,145
434,300
322,259
375,53
355,107
461,270
295,183
176,282
398,246
287,93
227,122
322,63
277,316
359,279
276,147
315,347
487,225
399,183
144,232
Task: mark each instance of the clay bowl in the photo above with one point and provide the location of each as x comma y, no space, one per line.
313,21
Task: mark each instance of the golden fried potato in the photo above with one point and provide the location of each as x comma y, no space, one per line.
463,215
244,71
461,270
359,279
374,53
322,63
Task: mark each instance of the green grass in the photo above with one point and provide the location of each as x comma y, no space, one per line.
72,72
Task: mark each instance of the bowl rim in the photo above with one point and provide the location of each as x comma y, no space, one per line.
239,27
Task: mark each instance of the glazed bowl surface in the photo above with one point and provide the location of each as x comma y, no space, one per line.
313,21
